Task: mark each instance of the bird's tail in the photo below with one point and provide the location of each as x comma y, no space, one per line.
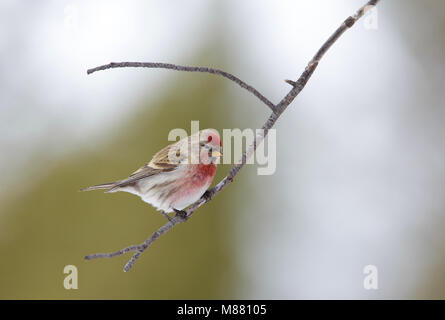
100,186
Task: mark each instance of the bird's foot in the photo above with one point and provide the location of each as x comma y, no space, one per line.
181,214
207,196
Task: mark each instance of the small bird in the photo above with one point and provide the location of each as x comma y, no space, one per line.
177,176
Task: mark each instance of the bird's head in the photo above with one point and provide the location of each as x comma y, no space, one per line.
210,146
202,147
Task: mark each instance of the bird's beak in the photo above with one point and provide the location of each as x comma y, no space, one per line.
216,153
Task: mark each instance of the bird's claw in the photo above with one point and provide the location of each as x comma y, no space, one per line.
181,214
206,196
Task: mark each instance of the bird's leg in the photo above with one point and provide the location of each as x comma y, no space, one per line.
166,215
181,213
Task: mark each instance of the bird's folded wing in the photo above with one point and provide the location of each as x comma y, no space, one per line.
155,166
144,172
160,163
161,160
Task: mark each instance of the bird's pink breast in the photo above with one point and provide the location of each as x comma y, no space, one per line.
194,184
206,170
199,175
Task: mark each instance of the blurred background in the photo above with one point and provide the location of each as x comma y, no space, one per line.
360,153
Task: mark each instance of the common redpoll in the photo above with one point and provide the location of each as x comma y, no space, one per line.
177,176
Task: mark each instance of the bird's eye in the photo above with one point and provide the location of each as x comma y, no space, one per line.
209,139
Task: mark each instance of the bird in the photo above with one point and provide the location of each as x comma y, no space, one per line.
177,176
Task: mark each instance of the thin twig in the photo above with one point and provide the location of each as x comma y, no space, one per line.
297,87
176,67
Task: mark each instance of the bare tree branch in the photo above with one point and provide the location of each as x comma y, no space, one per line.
297,87
170,66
